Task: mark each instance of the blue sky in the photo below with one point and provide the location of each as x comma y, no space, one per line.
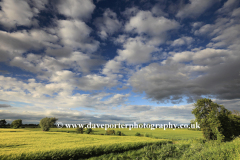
105,61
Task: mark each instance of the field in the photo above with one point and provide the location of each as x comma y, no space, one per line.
32,143
27,144
157,133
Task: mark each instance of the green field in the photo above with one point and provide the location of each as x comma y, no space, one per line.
32,143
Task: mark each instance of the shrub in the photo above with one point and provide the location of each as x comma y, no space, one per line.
46,123
110,132
79,130
137,134
16,124
119,133
122,134
88,131
147,135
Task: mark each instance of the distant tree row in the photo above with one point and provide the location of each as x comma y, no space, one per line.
45,123
15,124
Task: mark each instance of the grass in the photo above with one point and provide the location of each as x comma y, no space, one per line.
182,150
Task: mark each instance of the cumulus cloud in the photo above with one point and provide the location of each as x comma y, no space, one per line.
129,12
200,72
39,4
152,31
236,12
75,34
15,43
228,37
60,91
224,32
195,8
108,24
111,66
182,41
82,62
228,7
173,82
59,52
203,57
77,9
15,13
46,66
136,51
145,22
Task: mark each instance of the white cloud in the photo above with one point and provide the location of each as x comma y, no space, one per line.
62,76
228,36
108,24
209,72
95,82
129,12
195,8
145,22
182,41
75,33
204,30
111,66
208,56
81,9
59,92
15,43
81,62
25,40
224,32
116,99
136,51
158,10
236,12
39,4
15,13
228,7
46,66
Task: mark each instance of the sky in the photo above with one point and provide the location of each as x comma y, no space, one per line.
121,61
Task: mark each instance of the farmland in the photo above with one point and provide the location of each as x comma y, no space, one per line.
21,143
157,133
32,143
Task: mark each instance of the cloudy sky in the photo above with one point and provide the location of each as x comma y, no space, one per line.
105,61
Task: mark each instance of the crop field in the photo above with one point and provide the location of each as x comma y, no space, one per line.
32,143
177,134
27,144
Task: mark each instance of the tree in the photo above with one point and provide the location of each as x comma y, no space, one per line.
16,123
193,125
46,123
216,122
3,123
